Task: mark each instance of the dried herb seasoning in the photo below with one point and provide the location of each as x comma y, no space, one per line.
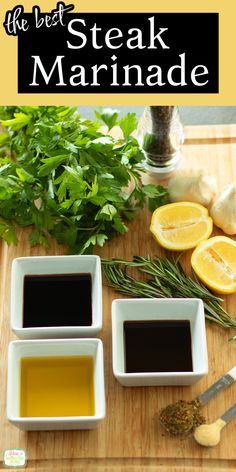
181,418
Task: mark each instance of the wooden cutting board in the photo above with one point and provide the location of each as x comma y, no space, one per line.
130,438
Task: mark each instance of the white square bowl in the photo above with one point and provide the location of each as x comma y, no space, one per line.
46,348
159,309
43,265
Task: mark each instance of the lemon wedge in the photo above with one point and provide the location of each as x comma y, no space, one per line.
214,262
182,225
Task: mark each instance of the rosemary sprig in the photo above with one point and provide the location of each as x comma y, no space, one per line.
166,279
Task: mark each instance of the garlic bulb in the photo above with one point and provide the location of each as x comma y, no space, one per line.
198,188
223,212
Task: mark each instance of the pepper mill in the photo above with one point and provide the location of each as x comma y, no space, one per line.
160,134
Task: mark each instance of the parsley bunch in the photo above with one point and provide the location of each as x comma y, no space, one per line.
62,175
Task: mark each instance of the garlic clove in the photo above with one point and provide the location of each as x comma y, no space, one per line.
198,188
223,211
207,188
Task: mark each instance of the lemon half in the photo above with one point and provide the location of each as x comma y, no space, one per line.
182,225
214,262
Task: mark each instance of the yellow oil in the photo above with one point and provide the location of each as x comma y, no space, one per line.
57,386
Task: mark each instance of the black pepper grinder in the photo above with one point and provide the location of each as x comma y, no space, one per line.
161,136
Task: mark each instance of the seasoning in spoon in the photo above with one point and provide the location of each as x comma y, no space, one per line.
209,434
181,418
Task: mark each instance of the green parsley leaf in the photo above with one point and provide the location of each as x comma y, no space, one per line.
157,194
7,232
19,121
106,213
128,124
64,177
108,116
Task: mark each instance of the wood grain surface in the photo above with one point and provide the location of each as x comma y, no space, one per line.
130,438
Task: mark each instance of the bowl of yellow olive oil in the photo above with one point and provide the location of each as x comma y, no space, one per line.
55,384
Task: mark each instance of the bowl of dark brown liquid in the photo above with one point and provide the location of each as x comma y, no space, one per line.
56,296
158,341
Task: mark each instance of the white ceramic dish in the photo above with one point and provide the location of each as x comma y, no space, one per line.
54,347
55,265
159,309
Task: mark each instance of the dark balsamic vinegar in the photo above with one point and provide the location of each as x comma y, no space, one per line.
57,300
158,346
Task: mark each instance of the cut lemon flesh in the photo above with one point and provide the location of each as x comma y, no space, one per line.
179,226
214,262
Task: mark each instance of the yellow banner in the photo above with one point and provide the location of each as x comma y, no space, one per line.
227,43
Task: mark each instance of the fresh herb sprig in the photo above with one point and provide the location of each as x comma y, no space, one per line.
166,278
64,177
